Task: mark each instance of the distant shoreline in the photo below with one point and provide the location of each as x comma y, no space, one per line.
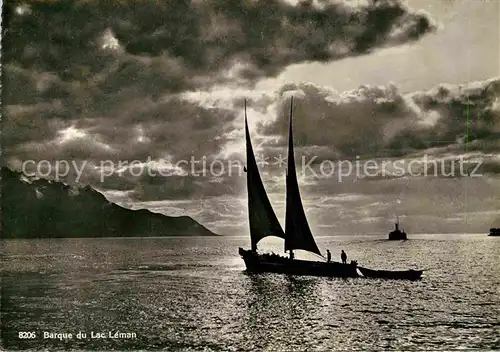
240,236
113,237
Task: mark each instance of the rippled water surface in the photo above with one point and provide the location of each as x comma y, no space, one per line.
193,294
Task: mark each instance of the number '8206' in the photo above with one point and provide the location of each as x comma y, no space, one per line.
26,335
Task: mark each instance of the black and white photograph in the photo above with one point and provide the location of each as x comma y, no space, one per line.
250,175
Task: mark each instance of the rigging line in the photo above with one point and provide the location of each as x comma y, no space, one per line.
316,254
319,255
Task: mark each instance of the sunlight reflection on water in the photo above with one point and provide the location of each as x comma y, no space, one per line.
192,294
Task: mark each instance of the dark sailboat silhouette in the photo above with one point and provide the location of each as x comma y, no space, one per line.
297,234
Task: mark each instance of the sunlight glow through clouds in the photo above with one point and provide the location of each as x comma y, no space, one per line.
23,9
141,137
109,42
71,133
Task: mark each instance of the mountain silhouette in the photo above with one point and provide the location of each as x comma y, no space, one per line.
41,208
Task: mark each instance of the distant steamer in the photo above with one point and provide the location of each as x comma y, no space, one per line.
397,234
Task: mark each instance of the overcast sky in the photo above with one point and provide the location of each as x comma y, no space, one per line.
97,84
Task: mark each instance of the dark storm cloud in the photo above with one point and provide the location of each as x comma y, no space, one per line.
380,121
371,121
465,114
108,70
352,123
173,127
148,131
36,123
176,44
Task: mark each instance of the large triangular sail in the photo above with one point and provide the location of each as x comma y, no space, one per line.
298,233
262,219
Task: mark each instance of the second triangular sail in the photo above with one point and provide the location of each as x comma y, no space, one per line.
298,233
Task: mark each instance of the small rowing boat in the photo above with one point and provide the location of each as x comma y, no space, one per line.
391,274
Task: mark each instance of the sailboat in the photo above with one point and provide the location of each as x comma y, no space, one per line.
297,235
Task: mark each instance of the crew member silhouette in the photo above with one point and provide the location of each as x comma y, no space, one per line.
328,256
343,256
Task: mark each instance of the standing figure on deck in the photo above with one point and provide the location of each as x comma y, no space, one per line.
328,256
292,255
343,256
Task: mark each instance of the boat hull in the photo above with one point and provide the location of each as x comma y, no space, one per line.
265,263
392,275
494,232
397,236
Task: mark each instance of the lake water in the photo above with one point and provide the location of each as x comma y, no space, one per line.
192,294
